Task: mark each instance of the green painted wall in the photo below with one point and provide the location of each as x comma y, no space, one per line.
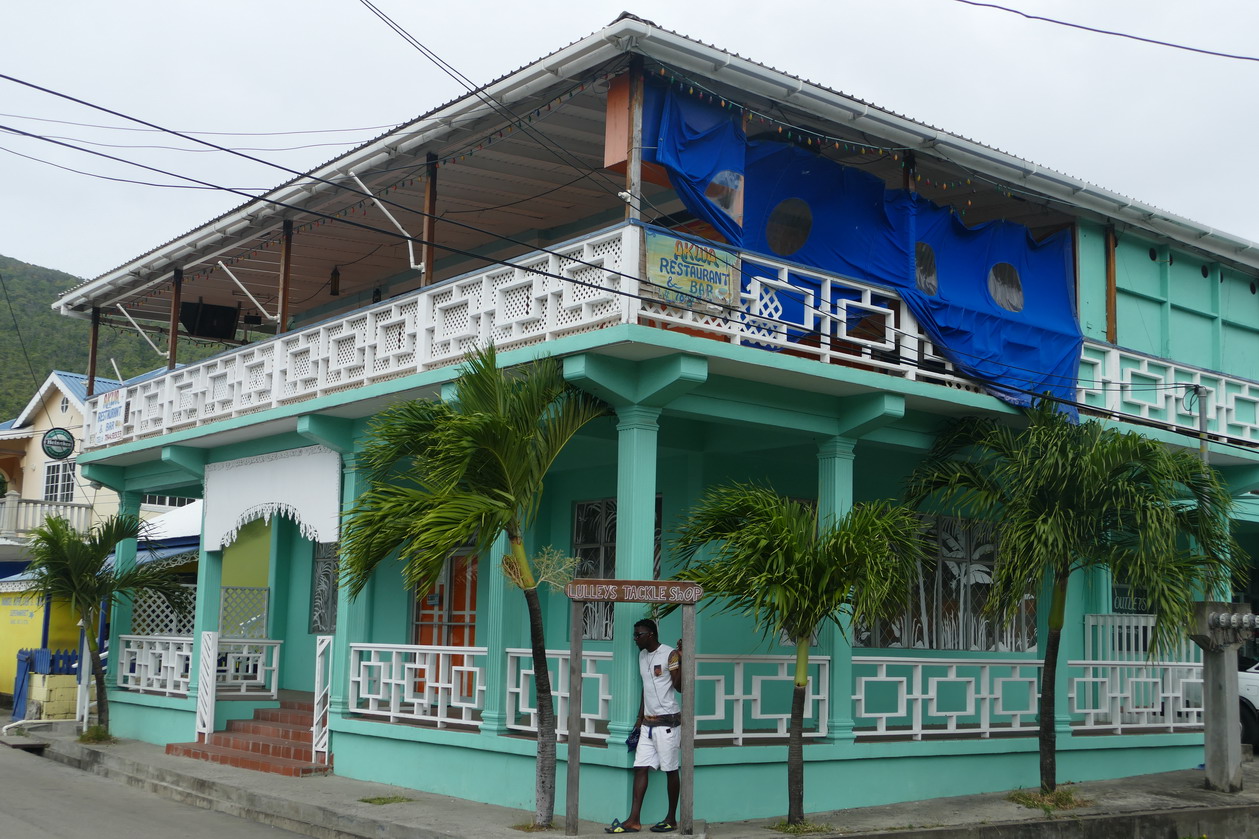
246,562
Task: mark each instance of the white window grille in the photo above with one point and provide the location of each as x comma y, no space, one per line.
945,607
59,481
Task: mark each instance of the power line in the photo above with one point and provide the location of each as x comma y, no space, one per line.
207,133
1116,34
115,179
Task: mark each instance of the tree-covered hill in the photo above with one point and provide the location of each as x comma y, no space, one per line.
34,340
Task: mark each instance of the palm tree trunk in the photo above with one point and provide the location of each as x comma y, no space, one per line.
544,806
98,672
544,790
795,734
1048,689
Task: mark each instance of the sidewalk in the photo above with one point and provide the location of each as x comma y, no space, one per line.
1172,804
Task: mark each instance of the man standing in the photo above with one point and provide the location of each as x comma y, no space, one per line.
660,726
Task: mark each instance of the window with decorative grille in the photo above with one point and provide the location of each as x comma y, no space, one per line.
323,588
945,607
594,545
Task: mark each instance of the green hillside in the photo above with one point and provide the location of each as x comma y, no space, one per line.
53,342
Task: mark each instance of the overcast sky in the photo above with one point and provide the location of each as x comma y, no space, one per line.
1165,126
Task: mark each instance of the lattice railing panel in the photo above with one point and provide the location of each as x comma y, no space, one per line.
243,611
441,686
522,712
151,615
155,664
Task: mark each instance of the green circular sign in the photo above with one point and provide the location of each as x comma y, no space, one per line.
58,443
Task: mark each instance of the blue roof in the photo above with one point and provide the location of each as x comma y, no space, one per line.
7,424
76,383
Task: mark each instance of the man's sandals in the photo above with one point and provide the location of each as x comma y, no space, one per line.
659,827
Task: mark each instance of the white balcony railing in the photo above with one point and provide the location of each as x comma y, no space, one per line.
155,663
442,686
508,306
1133,384
19,516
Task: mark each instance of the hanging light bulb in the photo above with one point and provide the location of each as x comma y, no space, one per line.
334,280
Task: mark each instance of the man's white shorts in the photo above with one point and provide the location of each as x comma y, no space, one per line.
659,748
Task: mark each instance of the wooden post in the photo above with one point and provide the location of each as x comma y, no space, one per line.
91,351
176,297
286,268
572,793
428,231
634,166
686,777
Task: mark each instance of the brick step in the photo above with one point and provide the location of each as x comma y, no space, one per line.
245,760
307,705
264,746
278,730
296,716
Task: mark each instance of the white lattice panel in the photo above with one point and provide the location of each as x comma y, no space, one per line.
248,668
243,611
1125,696
151,615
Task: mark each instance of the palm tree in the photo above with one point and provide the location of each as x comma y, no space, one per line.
74,568
443,475
1071,496
774,561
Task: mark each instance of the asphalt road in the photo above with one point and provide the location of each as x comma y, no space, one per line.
42,799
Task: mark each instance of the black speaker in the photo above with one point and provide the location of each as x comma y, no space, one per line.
202,320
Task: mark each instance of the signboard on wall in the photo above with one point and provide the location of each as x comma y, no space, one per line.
108,424
57,443
690,275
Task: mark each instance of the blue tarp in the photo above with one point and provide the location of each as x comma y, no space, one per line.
777,198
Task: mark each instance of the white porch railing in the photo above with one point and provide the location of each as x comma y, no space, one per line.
323,697
921,697
1138,385
248,669
522,713
155,663
1127,638
439,685
509,306
739,688
1124,696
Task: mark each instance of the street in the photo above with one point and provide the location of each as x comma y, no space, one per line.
42,799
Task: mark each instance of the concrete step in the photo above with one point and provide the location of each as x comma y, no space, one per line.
246,759
264,746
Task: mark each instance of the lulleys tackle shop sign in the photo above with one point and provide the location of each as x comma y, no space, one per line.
689,275
58,443
635,591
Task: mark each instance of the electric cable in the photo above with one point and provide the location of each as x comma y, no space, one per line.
1127,35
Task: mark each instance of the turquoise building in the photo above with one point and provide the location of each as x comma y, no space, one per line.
768,280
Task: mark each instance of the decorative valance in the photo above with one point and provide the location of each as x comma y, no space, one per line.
301,484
